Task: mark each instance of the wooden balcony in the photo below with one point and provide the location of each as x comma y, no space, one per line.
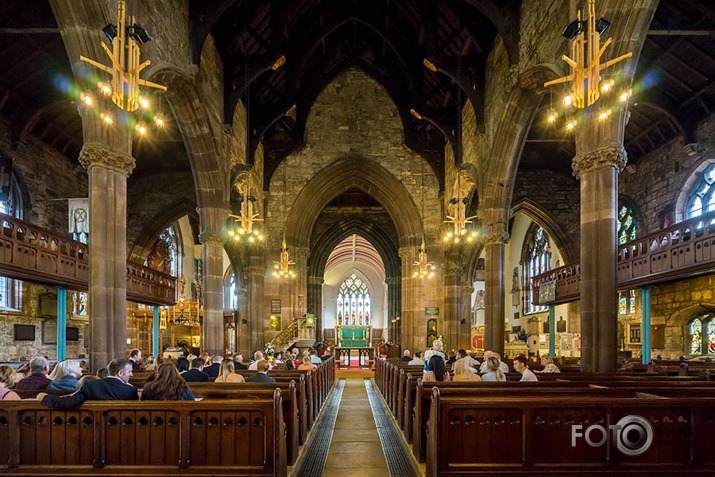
684,250
31,253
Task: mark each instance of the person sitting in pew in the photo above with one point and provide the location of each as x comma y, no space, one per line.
521,365
7,379
307,364
215,367
548,363
196,373
485,367
417,359
406,356
262,375
228,373
494,372
114,387
462,355
40,368
462,372
238,362
166,384
437,370
65,376
257,358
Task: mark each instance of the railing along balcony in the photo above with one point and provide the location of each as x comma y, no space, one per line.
683,250
31,253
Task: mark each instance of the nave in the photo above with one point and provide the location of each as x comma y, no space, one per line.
356,435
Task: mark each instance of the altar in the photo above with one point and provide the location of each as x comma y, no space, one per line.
353,336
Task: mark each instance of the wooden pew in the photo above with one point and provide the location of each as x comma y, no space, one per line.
532,435
211,437
254,390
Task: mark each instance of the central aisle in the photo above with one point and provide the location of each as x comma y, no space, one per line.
355,449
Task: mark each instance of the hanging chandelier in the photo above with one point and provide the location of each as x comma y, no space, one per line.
246,217
125,58
282,267
185,312
586,82
425,268
460,231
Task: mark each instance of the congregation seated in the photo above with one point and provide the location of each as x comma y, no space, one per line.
238,362
228,373
470,362
112,388
406,356
65,376
549,367
40,368
502,365
261,376
462,372
135,357
436,370
7,380
258,357
494,370
314,358
307,364
213,369
417,359
437,349
151,364
196,373
521,365
166,384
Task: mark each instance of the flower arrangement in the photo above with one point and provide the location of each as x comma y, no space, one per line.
269,350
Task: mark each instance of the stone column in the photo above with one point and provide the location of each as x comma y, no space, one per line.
314,303
495,247
598,171
256,309
465,322
394,297
448,321
212,220
411,327
108,170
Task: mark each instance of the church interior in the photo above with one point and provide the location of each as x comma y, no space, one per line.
365,178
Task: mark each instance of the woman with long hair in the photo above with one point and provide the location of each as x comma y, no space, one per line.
437,371
167,385
7,379
228,374
493,372
306,365
151,363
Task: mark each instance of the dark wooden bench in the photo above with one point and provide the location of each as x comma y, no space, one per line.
211,437
532,435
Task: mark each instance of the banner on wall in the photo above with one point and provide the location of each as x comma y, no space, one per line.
78,216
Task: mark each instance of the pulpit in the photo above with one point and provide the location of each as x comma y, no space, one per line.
353,336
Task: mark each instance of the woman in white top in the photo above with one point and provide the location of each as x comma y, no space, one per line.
548,364
493,372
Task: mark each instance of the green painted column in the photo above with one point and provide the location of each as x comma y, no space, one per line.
155,333
552,331
61,323
645,326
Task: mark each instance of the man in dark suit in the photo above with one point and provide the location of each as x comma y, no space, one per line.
238,362
114,387
196,373
262,375
213,370
135,357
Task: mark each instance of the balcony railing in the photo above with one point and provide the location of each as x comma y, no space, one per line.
684,250
31,253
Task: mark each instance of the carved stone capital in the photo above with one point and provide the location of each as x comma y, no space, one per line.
96,154
452,267
210,238
493,238
467,289
607,156
406,253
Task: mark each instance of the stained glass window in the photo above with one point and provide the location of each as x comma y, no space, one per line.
536,263
695,337
231,292
711,336
627,302
353,302
626,225
10,288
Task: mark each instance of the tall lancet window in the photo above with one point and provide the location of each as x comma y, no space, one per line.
536,262
10,288
353,302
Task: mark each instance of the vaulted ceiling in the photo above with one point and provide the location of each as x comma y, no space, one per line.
674,87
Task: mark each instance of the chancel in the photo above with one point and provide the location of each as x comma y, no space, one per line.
389,237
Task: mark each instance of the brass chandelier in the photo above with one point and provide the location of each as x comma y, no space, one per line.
247,216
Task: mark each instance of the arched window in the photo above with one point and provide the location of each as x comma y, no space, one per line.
701,199
700,335
230,292
10,288
164,255
353,302
536,261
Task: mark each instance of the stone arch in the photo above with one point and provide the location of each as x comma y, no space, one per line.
359,173
209,166
562,239
324,245
679,320
158,223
